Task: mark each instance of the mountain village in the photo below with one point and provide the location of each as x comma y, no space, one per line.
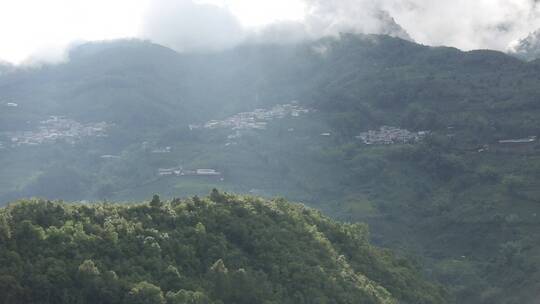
387,135
57,129
255,120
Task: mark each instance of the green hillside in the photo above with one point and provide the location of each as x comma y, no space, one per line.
220,249
463,203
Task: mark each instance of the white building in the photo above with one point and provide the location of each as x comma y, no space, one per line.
208,172
527,140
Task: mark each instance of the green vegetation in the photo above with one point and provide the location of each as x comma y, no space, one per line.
464,205
220,249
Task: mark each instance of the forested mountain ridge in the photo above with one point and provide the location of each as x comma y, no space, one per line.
220,249
132,83
464,199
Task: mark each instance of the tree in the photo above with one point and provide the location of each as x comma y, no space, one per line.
145,293
200,228
5,230
156,202
88,268
217,197
188,297
219,267
89,280
171,279
29,235
219,276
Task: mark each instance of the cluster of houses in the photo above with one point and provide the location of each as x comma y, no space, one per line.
58,128
387,135
179,171
255,120
156,150
161,150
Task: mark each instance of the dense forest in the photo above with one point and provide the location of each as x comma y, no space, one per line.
460,202
218,249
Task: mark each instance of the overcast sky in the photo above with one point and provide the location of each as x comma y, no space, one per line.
43,29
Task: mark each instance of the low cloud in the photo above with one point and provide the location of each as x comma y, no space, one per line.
324,18
466,24
48,55
285,32
527,48
208,25
187,26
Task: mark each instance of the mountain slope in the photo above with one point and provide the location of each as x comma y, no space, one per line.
464,202
221,249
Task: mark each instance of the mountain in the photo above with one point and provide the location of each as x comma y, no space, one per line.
528,48
462,197
115,81
220,249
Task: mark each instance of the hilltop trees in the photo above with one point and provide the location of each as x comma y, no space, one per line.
145,293
241,250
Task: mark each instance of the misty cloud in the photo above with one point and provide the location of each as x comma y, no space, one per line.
527,48
187,26
330,18
48,55
466,24
209,25
325,18
284,32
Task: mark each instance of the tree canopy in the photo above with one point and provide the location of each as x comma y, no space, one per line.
220,249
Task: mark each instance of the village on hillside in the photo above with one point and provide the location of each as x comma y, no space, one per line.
56,129
257,119
387,135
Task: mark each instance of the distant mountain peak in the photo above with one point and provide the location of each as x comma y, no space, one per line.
96,47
